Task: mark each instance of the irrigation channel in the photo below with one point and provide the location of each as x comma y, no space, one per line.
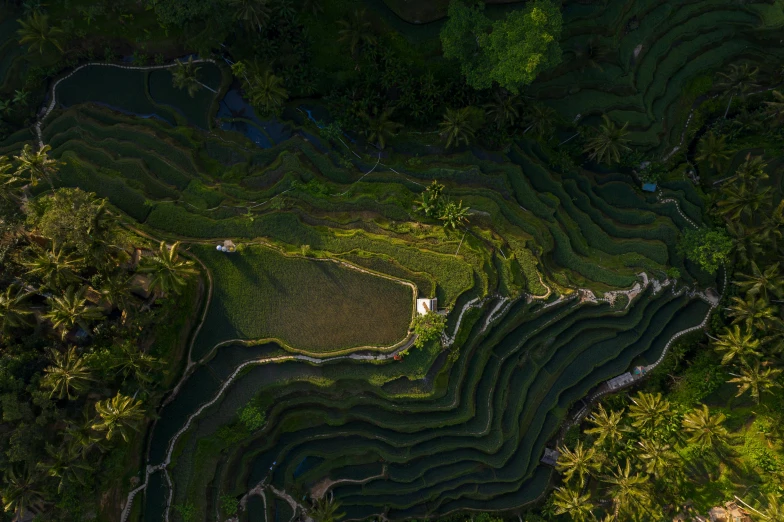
511,336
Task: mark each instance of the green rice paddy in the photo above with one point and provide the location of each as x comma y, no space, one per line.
313,306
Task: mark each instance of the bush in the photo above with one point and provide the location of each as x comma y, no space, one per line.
428,327
252,417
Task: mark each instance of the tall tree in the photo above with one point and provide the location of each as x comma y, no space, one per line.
504,110
185,76
738,81
36,165
130,361
580,463
67,464
754,311
72,309
119,415
356,31
648,410
572,502
705,429
168,273
608,142
713,150
325,510
253,14
14,310
36,32
659,458
380,128
55,267
733,343
68,375
454,214
457,126
708,248
630,492
21,491
540,120
607,426
767,283
757,378
266,92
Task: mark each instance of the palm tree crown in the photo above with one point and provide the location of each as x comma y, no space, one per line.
67,376
37,32
356,31
185,76
579,462
120,414
457,127
36,164
607,144
72,309
705,429
734,343
14,312
167,271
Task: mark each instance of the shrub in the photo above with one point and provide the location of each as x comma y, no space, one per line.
428,327
252,417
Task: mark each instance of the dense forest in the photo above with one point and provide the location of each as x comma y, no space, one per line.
492,156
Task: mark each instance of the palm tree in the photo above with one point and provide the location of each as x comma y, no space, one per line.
732,343
774,512
167,271
580,462
20,491
572,502
457,127
757,380
72,309
380,128
607,144
505,109
55,267
772,228
37,32
705,429
116,290
252,13
713,150
266,92
648,410
657,456
67,465
82,435
325,510
36,164
120,414
737,82
14,312
741,200
68,375
185,76
607,426
629,491
454,214
540,120
754,311
356,31
764,283
132,362
314,6
751,171
775,109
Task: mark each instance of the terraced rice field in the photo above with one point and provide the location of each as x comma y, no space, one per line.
315,306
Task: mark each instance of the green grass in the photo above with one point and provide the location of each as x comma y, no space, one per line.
313,306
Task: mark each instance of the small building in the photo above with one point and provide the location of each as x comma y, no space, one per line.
427,305
227,246
649,187
550,457
620,381
731,512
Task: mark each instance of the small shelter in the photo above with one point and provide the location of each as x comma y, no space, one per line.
550,457
227,246
427,305
649,187
620,381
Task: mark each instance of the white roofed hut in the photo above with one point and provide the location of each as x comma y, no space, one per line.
427,305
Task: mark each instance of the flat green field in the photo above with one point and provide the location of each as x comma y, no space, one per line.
310,305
